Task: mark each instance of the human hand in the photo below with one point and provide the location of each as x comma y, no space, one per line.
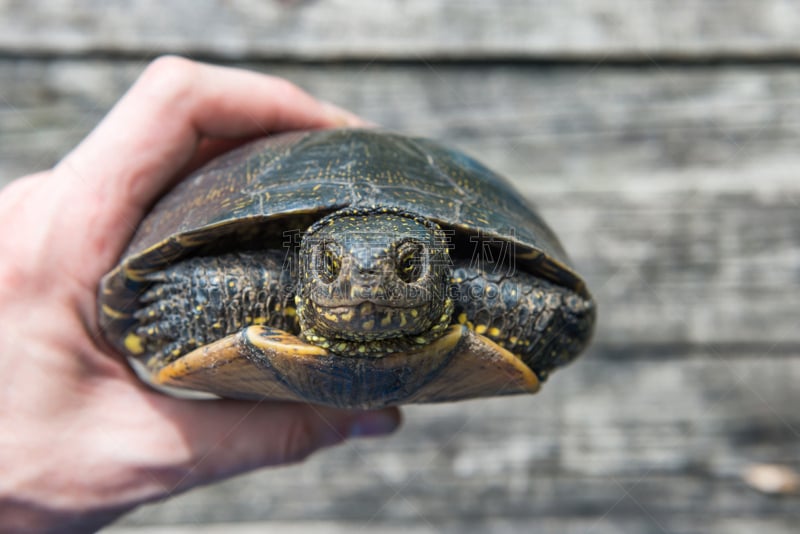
82,440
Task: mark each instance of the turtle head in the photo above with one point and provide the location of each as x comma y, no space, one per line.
373,281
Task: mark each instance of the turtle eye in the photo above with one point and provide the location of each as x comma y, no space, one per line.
329,264
409,262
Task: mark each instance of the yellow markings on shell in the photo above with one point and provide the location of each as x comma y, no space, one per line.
513,340
481,329
330,316
530,255
137,275
386,321
216,325
494,332
316,187
231,284
114,314
133,344
368,325
198,308
403,320
278,307
259,320
462,318
347,316
289,311
414,313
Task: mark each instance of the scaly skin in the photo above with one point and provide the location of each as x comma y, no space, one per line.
544,324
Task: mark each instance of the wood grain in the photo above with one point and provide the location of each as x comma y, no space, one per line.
596,30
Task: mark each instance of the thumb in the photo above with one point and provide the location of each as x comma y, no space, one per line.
228,437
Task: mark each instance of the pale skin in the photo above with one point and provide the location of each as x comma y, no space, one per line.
83,440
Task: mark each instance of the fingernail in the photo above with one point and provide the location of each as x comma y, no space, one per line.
374,424
342,117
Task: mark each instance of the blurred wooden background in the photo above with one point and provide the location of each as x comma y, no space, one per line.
662,142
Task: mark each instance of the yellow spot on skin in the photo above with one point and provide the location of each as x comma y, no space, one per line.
462,318
481,329
513,340
289,311
216,325
414,313
420,340
259,320
316,187
231,283
133,344
278,307
494,332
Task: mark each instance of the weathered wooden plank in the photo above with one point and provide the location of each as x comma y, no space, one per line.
498,525
640,132
584,29
656,441
675,190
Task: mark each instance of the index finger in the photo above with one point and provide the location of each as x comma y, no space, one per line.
133,155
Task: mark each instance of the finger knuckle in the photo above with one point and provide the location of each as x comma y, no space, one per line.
169,78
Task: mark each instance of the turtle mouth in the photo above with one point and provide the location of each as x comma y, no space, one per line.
371,329
368,320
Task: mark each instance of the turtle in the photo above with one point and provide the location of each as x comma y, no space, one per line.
355,268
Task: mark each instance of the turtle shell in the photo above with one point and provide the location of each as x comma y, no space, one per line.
281,184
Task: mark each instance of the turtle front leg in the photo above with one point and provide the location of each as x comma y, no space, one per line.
199,300
546,325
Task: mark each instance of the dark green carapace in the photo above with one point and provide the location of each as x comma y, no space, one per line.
353,268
